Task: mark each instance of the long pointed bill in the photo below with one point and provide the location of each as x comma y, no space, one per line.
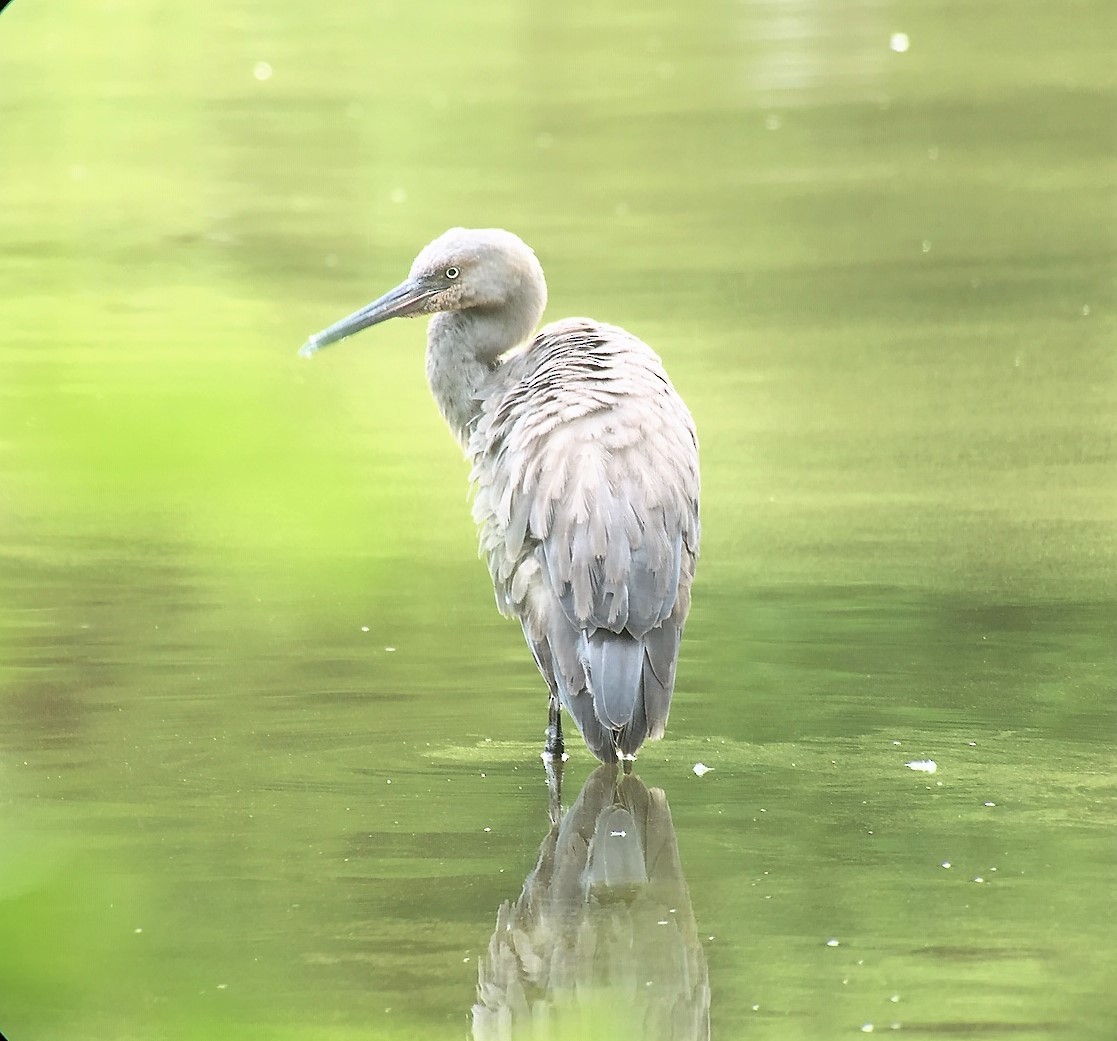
405,299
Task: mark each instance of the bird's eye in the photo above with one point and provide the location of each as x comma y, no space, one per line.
452,273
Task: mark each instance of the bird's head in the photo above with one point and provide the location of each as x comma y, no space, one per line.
464,268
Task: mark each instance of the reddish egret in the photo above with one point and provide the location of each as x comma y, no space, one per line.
585,469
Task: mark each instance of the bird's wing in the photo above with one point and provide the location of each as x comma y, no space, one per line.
586,470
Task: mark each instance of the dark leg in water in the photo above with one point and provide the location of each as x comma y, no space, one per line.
553,755
552,766
554,745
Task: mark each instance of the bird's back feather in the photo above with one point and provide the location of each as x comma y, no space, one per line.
585,464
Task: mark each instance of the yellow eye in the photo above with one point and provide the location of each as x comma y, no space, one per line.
452,273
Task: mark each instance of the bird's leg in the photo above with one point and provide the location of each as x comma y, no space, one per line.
552,765
554,754
554,746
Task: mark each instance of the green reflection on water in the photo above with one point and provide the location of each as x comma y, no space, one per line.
238,591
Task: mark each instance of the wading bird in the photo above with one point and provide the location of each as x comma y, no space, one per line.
585,470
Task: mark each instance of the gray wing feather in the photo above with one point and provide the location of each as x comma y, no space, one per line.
661,651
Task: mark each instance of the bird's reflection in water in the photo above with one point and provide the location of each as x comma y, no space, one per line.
601,941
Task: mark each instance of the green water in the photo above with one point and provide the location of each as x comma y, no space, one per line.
268,755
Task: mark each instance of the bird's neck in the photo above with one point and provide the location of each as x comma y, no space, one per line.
463,349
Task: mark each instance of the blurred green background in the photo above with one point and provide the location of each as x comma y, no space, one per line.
267,752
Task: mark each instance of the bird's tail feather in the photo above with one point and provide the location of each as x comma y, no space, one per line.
614,665
600,739
559,659
617,687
